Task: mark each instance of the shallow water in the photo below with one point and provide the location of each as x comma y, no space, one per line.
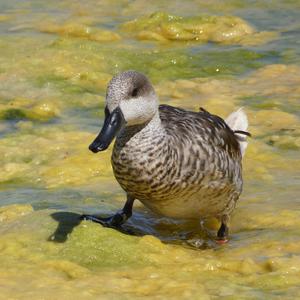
55,61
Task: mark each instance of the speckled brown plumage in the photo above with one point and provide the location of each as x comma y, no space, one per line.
180,164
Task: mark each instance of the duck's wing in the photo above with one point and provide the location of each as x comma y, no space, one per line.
202,128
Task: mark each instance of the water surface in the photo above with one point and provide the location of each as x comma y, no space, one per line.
56,58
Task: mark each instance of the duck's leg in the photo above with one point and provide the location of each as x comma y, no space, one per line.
116,220
222,235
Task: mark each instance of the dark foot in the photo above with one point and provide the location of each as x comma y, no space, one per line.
222,235
114,221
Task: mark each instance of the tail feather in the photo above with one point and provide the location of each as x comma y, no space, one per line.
238,121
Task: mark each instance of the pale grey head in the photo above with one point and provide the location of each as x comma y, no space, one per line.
130,100
133,93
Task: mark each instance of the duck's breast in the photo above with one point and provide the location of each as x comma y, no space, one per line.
139,163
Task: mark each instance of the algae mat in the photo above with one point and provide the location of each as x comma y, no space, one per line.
55,61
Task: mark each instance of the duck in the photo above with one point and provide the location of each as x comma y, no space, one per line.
180,164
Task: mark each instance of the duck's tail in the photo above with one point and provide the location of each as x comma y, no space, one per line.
238,122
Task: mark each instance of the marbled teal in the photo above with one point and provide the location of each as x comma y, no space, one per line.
179,163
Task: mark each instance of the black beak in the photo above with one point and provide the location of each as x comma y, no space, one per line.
112,124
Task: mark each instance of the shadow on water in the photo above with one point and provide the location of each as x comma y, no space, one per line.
166,230
67,221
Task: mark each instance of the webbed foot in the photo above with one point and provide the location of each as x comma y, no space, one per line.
222,235
114,221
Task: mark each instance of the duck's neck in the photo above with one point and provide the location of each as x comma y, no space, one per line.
150,128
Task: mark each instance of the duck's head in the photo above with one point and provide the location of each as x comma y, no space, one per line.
130,100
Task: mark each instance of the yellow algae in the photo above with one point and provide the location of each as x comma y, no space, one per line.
284,219
219,29
98,80
285,142
55,72
221,97
278,128
269,128
71,270
276,72
45,110
12,171
289,265
258,38
4,17
278,81
275,120
12,212
61,79
97,261
58,158
76,170
73,29
22,108
149,35
212,94
259,152
261,162
24,125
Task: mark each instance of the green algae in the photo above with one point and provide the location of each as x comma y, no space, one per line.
283,141
103,248
49,160
43,111
165,64
72,67
59,155
100,259
162,27
12,212
77,30
53,75
64,237
13,114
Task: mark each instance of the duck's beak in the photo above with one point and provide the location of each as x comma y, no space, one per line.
113,122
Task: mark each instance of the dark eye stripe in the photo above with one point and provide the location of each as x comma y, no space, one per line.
134,92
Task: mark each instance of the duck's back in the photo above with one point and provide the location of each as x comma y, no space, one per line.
202,129
194,167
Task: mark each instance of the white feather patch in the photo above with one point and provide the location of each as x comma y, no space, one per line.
238,121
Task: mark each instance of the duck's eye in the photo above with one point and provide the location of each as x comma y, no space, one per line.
134,92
